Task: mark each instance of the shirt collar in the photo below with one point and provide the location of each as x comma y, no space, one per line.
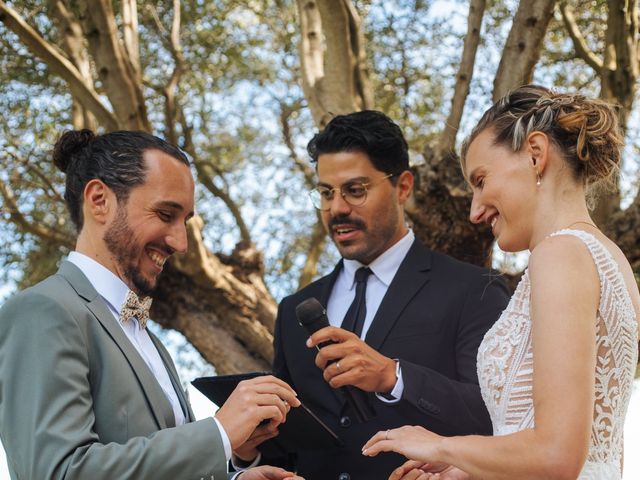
107,284
385,266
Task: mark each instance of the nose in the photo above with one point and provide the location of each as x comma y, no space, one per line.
339,205
177,238
477,210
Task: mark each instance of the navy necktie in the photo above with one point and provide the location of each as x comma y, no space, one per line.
354,319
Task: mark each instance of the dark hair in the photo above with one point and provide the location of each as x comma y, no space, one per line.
369,132
585,129
114,158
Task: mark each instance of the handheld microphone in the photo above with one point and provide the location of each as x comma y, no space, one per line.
313,317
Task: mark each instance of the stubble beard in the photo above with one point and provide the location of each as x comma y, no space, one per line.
119,239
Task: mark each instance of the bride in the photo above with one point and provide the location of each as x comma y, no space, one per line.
556,370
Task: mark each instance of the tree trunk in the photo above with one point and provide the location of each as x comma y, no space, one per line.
524,44
335,79
220,304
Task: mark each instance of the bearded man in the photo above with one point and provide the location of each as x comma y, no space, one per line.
86,390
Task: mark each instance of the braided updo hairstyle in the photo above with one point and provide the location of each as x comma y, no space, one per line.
116,158
585,130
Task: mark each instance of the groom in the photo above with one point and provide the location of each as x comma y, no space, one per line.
86,391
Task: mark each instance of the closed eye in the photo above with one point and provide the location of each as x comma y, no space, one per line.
165,216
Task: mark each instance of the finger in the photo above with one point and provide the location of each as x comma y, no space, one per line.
331,353
256,440
378,437
333,334
269,412
270,384
285,394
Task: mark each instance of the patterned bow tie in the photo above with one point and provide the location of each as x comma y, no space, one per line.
137,307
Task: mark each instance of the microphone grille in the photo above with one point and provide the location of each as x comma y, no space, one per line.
309,310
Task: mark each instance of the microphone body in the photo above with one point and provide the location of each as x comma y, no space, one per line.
312,317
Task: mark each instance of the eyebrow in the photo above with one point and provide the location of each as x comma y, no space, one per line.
351,180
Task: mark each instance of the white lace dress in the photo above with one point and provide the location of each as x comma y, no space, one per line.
505,365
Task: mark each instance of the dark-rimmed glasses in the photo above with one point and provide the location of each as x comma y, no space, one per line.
354,193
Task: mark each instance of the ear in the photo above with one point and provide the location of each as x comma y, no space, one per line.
99,200
404,186
537,145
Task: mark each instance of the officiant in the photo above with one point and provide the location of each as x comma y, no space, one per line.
405,321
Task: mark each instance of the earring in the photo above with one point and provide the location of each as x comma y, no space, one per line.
538,178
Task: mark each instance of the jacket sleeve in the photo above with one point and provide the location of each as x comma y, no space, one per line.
47,414
456,405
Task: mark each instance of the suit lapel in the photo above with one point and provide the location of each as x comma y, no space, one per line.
413,273
330,281
158,402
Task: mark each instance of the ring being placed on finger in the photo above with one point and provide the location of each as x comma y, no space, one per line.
386,435
338,366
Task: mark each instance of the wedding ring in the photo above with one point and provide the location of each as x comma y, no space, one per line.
386,435
338,366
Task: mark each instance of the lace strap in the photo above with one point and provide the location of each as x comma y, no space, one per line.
605,264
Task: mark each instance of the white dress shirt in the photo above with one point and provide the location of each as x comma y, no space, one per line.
383,268
114,292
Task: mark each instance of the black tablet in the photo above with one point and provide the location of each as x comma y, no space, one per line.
303,430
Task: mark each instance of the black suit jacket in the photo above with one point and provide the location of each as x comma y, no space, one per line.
433,318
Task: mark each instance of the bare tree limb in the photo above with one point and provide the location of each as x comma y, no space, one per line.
129,9
58,64
113,65
205,175
307,172
579,42
363,86
447,139
312,57
523,47
40,230
73,44
317,243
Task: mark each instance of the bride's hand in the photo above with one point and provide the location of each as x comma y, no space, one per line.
415,443
414,470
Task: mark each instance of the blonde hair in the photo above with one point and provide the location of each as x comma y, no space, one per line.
585,130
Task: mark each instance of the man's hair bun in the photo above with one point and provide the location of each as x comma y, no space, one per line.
69,145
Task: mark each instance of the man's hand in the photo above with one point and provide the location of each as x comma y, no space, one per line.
350,361
267,473
247,452
255,400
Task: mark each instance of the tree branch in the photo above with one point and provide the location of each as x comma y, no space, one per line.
524,44
205,175
38,229
579,42
129,11
58,64
447,139
114,67
304,167
317,243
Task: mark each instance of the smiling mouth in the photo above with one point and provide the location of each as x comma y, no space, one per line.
157,258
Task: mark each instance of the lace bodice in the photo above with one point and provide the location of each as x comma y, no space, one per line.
505,364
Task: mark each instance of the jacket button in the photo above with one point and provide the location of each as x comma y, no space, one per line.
345,422
344,476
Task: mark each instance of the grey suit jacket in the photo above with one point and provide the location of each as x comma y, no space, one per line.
78,402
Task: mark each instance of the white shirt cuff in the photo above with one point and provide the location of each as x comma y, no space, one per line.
255,462
395,393
225,440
